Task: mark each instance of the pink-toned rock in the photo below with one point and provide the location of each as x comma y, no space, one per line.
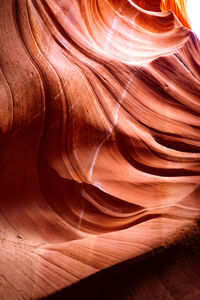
99,139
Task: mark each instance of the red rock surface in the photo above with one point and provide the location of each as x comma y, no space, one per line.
99,139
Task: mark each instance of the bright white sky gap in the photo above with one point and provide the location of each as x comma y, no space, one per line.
193,9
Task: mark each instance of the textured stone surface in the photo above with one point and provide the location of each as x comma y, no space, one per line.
99,137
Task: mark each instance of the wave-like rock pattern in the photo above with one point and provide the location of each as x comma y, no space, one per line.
100,136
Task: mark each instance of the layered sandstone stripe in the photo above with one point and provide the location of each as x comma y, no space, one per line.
99,139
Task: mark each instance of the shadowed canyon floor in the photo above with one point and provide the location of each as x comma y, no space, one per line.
167,273
99,150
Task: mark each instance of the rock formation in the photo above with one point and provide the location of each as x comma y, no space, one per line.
99,137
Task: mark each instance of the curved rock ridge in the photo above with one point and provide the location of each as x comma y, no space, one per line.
100,136
179,7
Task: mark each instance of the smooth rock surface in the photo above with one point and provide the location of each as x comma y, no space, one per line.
99,137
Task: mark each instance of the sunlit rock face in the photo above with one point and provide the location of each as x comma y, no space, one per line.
179,7
99,118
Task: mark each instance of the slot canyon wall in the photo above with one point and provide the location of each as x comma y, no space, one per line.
99,142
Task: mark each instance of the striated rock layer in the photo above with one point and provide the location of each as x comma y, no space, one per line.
99,139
